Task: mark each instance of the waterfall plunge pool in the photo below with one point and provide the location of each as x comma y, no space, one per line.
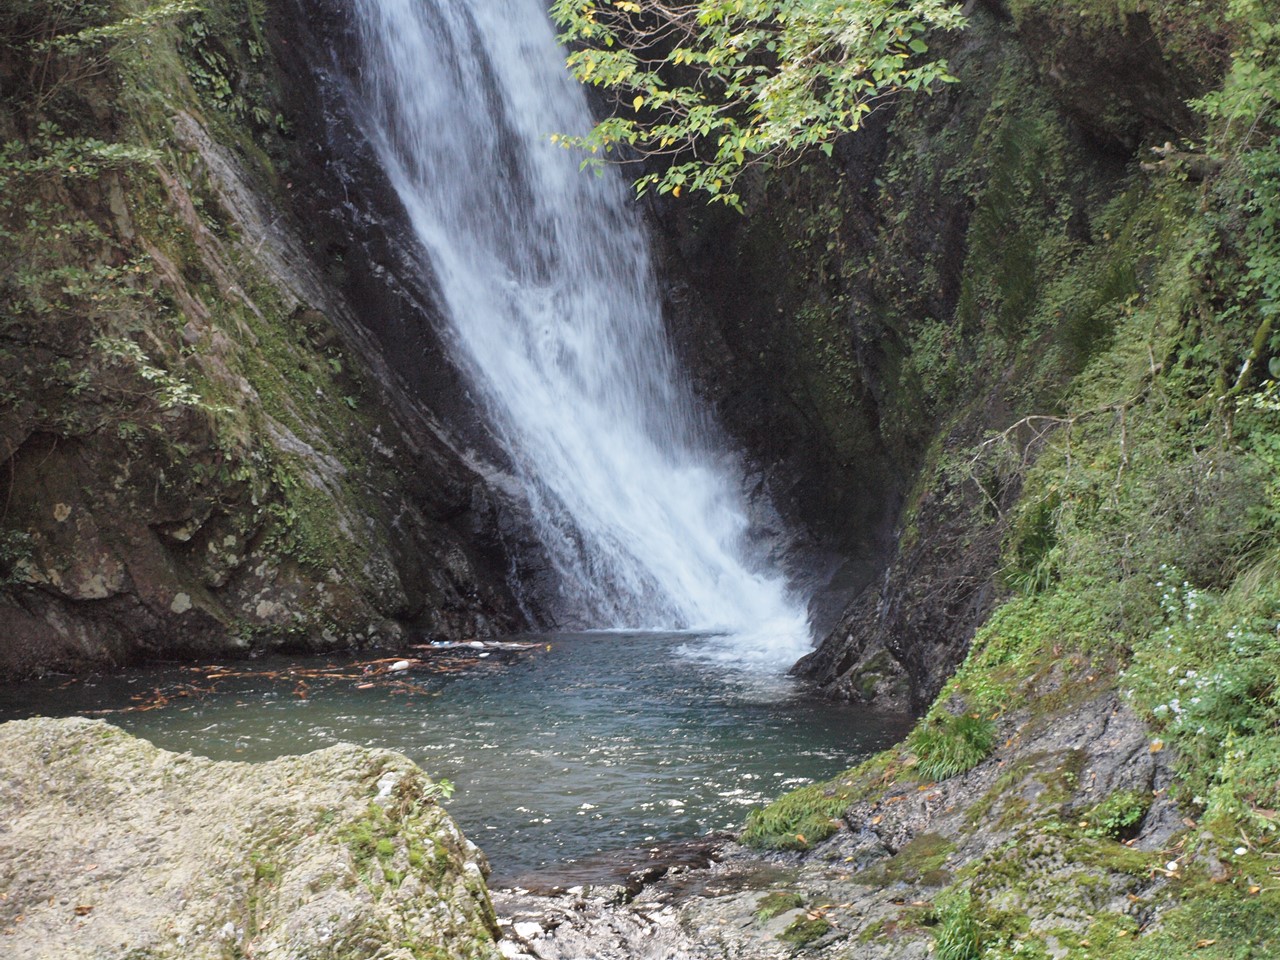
580,745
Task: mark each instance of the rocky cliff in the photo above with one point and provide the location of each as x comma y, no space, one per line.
1068,262
880,326
205,448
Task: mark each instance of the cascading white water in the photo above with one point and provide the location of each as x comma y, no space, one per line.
554,316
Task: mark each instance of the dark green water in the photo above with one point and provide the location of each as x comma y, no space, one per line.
603,741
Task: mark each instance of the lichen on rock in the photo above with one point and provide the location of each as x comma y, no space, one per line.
114,848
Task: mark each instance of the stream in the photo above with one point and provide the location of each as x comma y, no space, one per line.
563,754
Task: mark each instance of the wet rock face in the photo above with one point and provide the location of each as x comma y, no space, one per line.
1116,80
114,848
300,494
900,640
786,347
359,236
874,461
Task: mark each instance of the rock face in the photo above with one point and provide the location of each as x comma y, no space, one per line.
879,315
111,847
203,449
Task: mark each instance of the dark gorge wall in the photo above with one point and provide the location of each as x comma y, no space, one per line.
204,449
875,317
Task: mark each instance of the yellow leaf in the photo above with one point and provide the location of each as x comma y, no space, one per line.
675,192
638,102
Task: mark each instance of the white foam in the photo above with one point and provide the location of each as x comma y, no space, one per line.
554,315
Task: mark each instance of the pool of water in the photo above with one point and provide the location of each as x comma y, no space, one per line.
569,747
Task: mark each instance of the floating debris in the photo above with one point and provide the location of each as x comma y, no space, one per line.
385,673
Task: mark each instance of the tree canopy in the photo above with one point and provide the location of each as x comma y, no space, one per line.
715,86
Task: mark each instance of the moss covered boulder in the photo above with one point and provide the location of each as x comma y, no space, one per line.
113,848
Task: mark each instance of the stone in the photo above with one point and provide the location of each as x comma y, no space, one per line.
113,848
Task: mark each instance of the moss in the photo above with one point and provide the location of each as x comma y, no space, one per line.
804,931
870,678
1216,926
922,861
776,903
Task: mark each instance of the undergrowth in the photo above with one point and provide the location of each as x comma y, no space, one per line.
1140,556
807,816
946,745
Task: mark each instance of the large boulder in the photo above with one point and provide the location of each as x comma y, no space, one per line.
111,847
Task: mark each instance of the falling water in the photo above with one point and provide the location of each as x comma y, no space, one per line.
549,293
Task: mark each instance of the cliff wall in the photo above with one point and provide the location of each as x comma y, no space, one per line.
205,448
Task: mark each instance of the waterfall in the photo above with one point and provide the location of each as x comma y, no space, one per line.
554,318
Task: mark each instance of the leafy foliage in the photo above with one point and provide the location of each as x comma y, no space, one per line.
713,86
1118,816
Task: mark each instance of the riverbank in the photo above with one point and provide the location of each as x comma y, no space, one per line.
1067,827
